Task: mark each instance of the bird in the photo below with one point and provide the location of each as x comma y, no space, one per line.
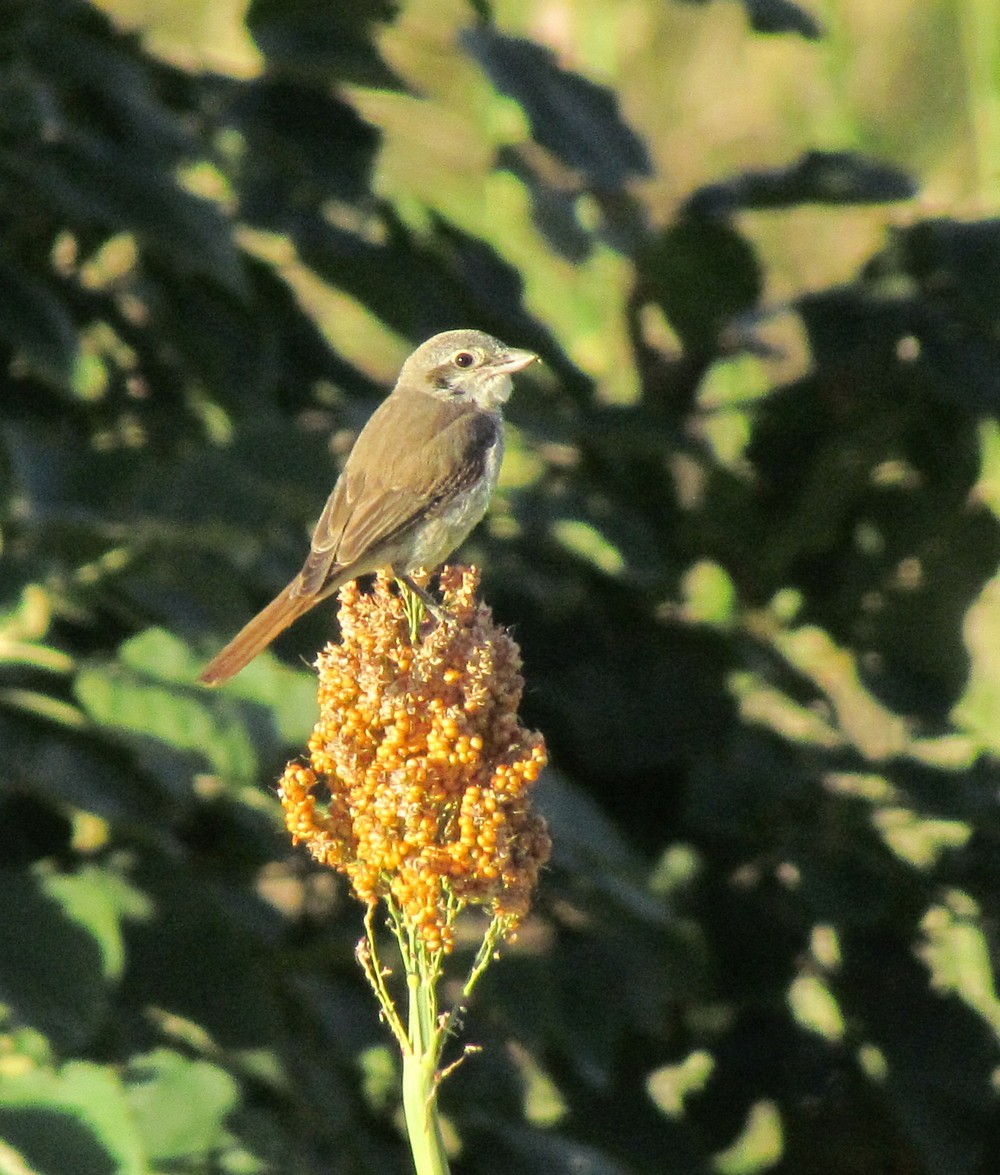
417,480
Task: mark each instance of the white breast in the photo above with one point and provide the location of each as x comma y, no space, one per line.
439,536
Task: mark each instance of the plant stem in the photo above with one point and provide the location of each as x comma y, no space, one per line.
420,1082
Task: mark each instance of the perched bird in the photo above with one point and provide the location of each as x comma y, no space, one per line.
417,480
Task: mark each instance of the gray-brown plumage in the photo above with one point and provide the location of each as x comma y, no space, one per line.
417,481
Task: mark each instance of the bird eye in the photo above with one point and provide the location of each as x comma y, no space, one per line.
464,359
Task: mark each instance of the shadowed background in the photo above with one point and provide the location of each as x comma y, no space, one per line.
746,536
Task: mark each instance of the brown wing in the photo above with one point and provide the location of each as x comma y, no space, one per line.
386,489
392,482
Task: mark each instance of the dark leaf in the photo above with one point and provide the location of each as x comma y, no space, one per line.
586,843
423,285
36,324
89,180
60,951
848,325
940,1054
576,119
200,931
324,42
65,766
702,273
304,147
553,208
958,261
819,177
101,84
782,16
778,16
537,1152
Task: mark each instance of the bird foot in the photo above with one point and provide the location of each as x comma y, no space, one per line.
418,603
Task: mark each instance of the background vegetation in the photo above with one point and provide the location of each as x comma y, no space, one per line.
747,538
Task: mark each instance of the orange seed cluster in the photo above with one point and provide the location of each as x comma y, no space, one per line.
419,775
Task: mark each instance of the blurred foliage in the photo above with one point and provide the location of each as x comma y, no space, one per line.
747,536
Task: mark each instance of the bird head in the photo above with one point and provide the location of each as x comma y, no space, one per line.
465,364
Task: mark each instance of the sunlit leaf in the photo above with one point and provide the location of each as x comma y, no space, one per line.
669,1085
180,1105
181,718
72,1122
587,542
815,1007
758,1148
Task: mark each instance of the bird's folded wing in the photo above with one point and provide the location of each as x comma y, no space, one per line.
375,502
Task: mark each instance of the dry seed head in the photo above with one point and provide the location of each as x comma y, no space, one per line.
419,776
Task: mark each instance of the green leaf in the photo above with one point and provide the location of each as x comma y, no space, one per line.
815,1007
160,655
585,541
179,1105
98,899
290,694
117,698
759,1146
709,595
670,1085
957,951
72,1122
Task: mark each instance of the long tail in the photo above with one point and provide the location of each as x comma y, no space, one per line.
257,634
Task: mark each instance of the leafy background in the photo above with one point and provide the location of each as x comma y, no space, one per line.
747,537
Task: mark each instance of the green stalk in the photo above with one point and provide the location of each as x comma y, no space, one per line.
420,1083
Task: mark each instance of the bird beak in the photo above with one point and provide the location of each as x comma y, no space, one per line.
515,360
